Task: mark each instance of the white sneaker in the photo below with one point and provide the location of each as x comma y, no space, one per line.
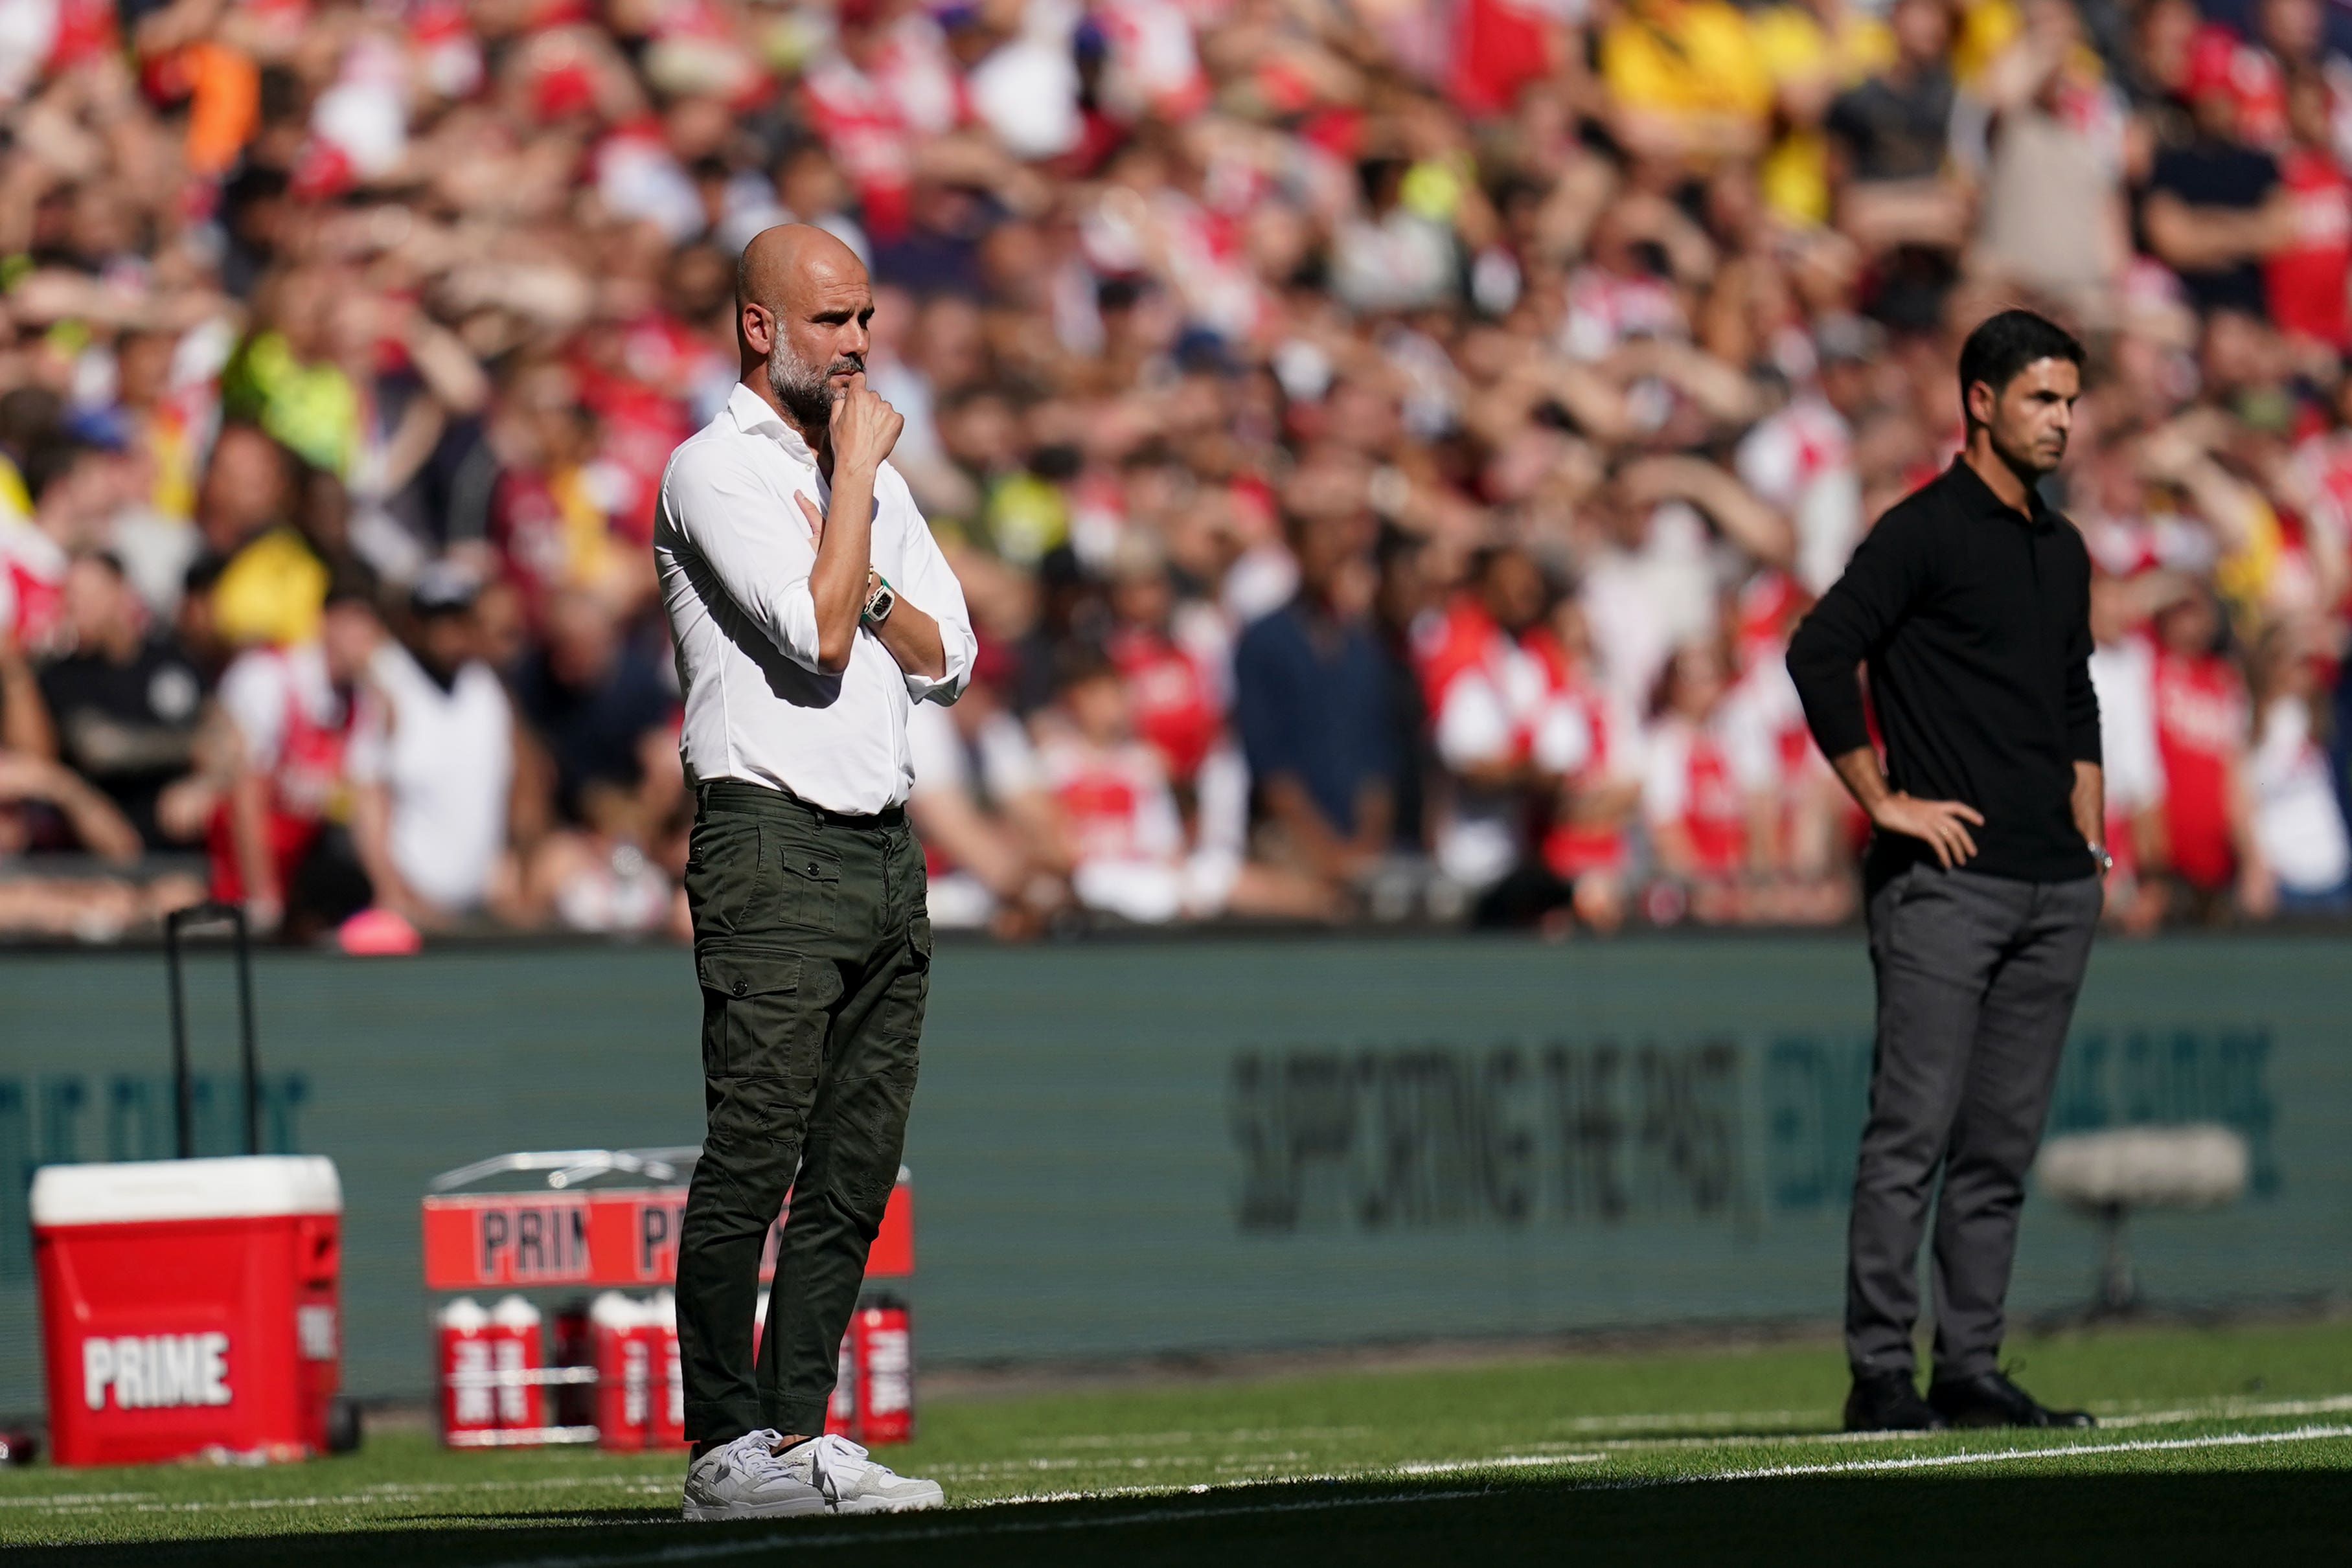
852,1483
747,1479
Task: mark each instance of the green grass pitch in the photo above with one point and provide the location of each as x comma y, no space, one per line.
2226,1446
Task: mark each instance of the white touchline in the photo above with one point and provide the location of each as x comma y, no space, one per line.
148,1502
1508,1462
701,1551
2230,1409
2012,1456
1759,1425
2216,1410
1651,1421
389,1491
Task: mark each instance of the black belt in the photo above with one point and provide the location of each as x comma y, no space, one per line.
737,794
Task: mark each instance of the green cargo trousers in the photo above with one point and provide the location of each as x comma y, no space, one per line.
814,948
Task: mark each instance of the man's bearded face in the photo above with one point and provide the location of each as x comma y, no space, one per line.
807,391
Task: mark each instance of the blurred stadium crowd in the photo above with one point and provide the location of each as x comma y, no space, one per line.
1385,442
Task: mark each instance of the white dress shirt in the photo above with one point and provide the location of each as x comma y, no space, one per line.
734,551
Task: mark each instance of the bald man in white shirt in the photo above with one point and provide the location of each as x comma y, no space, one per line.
810,609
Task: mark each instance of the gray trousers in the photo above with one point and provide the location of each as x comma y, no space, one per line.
1977,980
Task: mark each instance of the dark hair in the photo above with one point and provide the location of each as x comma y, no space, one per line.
202,573
2003,345
29,415
351,584
1075,663
50,461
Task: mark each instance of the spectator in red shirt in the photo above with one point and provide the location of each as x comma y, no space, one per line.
1123,840
1705,796
1505,732
1585,842
1173,656
2305,277
2289,39
2203,730
280,839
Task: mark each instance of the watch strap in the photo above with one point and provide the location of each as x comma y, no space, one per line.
876,595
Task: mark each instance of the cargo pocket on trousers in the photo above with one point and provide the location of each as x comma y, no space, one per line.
810,888
758,1019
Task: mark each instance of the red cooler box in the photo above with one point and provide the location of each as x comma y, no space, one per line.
188,1305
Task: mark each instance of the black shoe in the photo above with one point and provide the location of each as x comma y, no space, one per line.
1888,1402
1990,1399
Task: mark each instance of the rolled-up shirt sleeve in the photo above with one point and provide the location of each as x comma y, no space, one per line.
931,588
759,553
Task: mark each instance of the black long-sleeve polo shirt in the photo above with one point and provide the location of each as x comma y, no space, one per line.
1974,620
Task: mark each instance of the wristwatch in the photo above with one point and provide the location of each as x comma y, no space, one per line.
880,600
2099,854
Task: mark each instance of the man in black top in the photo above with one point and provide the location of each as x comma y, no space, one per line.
125,700
1896,126
1971,603
2214,206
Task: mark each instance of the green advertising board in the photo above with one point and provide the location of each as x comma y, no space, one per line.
1124,1149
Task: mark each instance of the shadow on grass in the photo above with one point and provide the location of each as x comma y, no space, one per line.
2231,1518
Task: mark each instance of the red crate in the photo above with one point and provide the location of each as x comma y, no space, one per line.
189,1306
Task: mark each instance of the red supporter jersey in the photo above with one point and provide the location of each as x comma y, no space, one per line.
1174,710
1705,799
2200,729
1500,47
870,119
1574,849
1113,800
32,589
1467,644
2305,281
641,422
306,788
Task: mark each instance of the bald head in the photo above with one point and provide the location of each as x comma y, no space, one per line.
778,259
802,305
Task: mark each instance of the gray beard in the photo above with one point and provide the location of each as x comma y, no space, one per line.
806,393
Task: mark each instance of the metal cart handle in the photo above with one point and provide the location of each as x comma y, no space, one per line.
184,1108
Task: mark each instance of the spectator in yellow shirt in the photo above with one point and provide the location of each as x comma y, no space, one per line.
1812,50
1685,81
272,584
